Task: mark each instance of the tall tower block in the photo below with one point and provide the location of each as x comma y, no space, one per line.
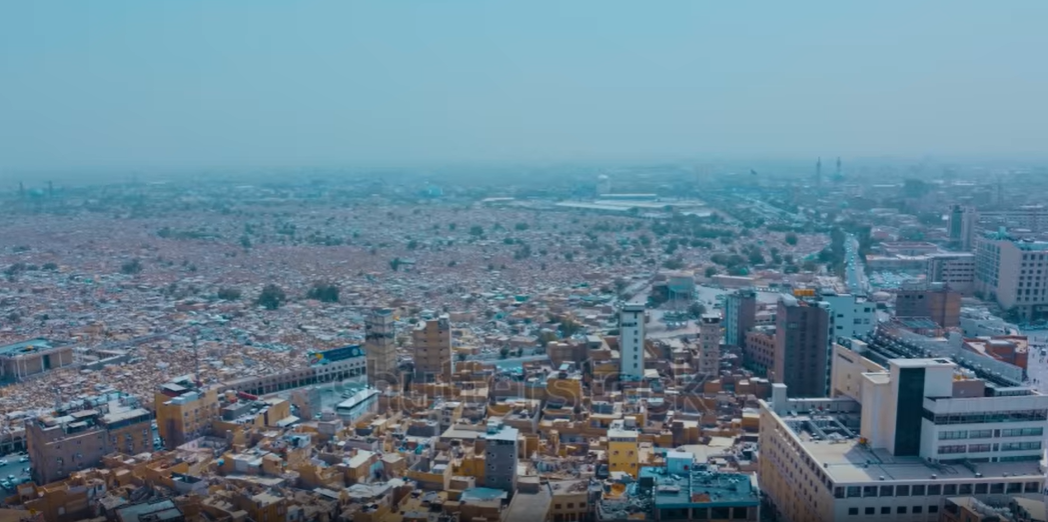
380,348
631,342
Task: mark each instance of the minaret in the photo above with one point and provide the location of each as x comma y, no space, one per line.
21,190
838,171
818,172
50,189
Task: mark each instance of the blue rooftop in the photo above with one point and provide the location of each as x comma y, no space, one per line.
31,345
699,488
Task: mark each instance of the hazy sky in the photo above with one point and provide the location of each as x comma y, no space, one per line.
183,83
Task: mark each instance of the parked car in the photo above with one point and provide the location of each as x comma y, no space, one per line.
23,458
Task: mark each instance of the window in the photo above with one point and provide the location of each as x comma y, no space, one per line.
917,491
981,489
886,510
917,510
854,492
886,491
902,491
853,511
933,509
934,490
869,491
1032,487
871,511
965,489
901,510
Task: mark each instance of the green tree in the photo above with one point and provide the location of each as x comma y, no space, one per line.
521,226
711,271
696,309
569,327
227,293
412,245
323,292
50,267
395,264
476,230
272,297
131,267
791,239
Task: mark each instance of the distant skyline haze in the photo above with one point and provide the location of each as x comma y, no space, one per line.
129,84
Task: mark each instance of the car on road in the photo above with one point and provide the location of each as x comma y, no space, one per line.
3,462
23,458
5,484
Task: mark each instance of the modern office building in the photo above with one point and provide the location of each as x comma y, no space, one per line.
77,439
740,314
710,337
936,301
501,449
803,344
380,348
895,442
853,316
184,410
433,357
1014,272
631,342
956,270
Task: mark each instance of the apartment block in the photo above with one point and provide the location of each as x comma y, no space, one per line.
184,411
432,344
740,314
631,342
623,449
380,348
710,337
853,316
70,441
1014,272
956,270
758,352
803,344
501,448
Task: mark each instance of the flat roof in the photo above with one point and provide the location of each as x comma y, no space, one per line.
847,461
31,345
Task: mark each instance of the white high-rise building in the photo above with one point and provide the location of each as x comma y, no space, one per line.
897,439
631,341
